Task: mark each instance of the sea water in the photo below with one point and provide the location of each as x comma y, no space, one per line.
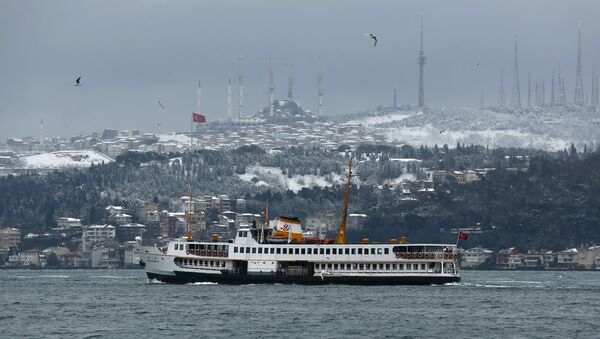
125,304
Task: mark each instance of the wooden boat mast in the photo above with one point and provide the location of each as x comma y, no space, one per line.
189,218
341,238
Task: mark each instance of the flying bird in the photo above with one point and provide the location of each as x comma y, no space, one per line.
442,131
374,37
160,104
78,81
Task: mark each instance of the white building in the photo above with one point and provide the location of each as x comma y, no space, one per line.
97,234
30,258
64,223
10,237
475,257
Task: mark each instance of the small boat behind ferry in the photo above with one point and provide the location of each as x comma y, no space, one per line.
284,253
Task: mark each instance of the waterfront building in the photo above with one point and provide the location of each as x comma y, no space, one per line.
10,237
476,257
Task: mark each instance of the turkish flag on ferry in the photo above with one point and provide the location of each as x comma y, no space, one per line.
462,235
198,117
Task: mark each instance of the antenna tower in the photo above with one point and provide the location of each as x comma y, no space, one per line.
579,97
421,60
516,90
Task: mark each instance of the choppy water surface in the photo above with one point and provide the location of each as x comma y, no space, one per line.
124,304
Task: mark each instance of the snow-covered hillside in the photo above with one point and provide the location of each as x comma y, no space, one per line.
273,177
63,159
551,128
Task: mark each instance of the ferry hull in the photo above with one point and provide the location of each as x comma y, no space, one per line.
180,277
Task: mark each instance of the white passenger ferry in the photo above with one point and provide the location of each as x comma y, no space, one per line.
282,253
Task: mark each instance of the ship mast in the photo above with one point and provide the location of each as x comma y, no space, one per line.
189,219
341,238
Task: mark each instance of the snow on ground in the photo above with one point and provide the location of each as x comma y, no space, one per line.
405,177
176,138
64,159
378,120
274,177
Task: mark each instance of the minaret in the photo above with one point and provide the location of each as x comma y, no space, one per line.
552,95
42,134
421,60
501,102
199,97
291,83
395,95
229,98
320,95
271,90
529,90
515,101
482,102
579,97
241,90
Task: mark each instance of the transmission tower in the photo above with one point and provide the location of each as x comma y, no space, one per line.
579,97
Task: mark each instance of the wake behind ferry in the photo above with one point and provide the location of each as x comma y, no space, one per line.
284,253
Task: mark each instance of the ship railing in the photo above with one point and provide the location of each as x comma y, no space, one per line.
427,255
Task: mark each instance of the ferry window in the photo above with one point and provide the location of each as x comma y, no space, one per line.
328,266
328,251
400,267
284,250
297,251
278,250
353,251
176,246
361,267
240,234
309,251
379,251
347,251
381,267
322,251
272,250
253,249
247,249
335,266
372,251
360,251
212,263
335,251
423,266
241,250
303,251
394,267
415,267
260,250
222,264
386,250
368,267
235,249
354,266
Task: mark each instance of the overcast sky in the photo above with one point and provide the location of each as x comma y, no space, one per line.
131,54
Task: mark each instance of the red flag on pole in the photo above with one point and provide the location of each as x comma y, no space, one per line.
198,118
462,235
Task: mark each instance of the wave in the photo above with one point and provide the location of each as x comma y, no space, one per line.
517,282
204,283
111,277
60,276
155,281
466,284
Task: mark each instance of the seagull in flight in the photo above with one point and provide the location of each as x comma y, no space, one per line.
372,36
442,131
78,81
160,104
